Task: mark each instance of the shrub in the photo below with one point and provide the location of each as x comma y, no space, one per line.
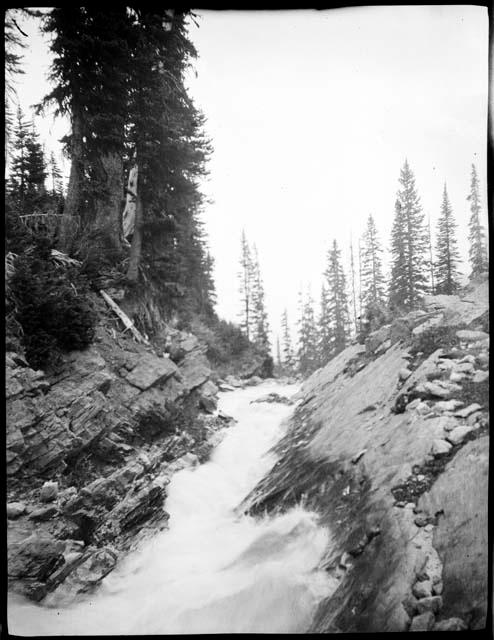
52,305
441,337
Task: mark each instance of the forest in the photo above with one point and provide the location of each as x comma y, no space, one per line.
130,219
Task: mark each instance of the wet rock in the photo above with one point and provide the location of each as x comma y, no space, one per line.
422,622
37,557
440,448
15,509
223,386
93,569
43,513
464,413
459,434
273,397
253,380
451,624
140,507
233,382
422,589
49,492
430,603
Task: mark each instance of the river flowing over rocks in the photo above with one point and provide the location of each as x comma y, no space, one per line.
357,502
212,570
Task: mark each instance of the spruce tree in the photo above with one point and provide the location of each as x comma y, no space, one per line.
373,285
308,359
337,300
477,237
325,326
431,259
408,246
260,325
245,280
354,299
288,354
447,254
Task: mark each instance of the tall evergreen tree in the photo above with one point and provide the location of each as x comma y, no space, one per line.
431,259
408,246
476,235
245,280
260,325
354,299
288,354
448,256
337,300
308,358
373,285
55,177
325,326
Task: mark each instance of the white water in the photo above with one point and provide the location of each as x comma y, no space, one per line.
211,571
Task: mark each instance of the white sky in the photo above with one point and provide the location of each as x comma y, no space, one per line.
311,115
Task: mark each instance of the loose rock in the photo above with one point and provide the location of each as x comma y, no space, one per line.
459,434
431,603
15,509
49,492
423,622
451,624
440,447
43,513
422,589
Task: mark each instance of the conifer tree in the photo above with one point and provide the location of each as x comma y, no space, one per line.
325,326
408,246
354,299
278,353
373,286
431,259
245,280
337,300
260,325
308,359
288,354
55,177
447,256
478,245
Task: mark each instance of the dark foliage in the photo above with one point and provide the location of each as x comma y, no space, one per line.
51,305
434,338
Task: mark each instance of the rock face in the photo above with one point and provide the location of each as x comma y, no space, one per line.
90,450
408,512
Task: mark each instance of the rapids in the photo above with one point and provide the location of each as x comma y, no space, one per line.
212,571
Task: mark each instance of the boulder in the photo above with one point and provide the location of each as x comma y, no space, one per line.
422,622
447,405
464,367
234,382
459,434
15,509
43,513
377,338
422,589
450,624
464,413
93,569
431,603
480,376
404,374
150,371
36,557
49,492
466,335
253,380
440,447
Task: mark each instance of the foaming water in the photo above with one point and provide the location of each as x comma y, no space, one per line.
212,571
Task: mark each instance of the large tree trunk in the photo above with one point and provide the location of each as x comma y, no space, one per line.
136,245
106,228
71,210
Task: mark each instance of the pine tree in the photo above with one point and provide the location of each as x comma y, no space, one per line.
245,279
18,171
431,259
260,325
325,326
447,256
373,286
55,177
288,354
408,246
308,359
354,300
278,353
337,300
476,235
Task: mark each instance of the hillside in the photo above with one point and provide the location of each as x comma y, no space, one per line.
389,444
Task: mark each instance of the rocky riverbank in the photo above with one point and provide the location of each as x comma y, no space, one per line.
91,447
389,444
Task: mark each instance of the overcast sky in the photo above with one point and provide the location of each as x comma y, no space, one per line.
311,115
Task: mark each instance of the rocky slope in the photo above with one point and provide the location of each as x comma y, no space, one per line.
91,448
389,443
